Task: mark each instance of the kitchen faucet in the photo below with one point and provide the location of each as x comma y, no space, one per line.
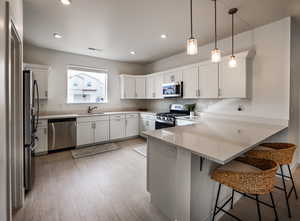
90,109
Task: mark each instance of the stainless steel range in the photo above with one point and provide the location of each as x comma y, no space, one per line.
164,120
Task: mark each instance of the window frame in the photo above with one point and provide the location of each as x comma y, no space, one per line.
87,69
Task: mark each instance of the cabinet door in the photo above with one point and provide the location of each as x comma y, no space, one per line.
158,82
128,87
150,86
42,142
101,131
132,126
85,133
41,76
232,81
117,128
140,87
173,76
208,80
190,82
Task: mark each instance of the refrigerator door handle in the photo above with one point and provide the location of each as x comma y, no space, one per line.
53,135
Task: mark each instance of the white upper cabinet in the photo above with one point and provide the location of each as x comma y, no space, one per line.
190,77
154,86
233,81
128,87
140,87
173,76
202,80
150,87
40,74
208,80
159,80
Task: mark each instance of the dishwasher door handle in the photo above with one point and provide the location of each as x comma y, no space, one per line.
53,135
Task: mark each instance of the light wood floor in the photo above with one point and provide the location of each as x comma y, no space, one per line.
112,187
105,187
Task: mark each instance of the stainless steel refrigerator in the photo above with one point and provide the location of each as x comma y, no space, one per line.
31,119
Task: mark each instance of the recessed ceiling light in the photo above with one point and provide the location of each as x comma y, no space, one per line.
57,36
163,36
132,52
66,2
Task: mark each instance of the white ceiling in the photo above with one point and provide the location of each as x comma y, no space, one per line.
121,26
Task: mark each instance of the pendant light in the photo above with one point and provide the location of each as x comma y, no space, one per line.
215,53
232,61
191,46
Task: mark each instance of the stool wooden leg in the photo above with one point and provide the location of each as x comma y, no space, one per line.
216,205
274,206
258,207
291,176
232,198
285,192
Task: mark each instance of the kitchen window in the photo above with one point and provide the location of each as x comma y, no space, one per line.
86,85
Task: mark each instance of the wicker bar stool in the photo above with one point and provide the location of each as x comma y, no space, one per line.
248,176
282,153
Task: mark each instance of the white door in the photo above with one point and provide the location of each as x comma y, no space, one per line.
150,86
41,76
159,80
208,80
140,87
117,128
42,142
173,76
128,87
132,125
101,131
232,81
85,133
190,82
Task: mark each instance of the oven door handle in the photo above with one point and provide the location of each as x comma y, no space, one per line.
164,122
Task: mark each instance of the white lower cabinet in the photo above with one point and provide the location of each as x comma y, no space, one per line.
42,141
117,126
85,133
147,122
92,130
101,131
132,125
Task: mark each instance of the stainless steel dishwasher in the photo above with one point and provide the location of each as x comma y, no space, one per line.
61,133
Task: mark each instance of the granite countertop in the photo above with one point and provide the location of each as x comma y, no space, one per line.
75,115
218,140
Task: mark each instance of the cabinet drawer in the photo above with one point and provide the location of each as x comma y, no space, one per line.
117,117
132,115
43,123
91,119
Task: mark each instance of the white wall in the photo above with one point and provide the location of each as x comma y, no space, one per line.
58,78
271,71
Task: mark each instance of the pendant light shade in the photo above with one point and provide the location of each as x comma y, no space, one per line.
215,53
232,61
192,45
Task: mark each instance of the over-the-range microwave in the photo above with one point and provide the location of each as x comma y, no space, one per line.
174,89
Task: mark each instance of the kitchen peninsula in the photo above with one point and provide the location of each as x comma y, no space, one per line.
181,159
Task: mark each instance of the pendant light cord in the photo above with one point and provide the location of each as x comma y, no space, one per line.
191,10
215,23
232,34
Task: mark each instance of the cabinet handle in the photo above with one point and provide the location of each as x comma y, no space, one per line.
45,130
46,93
219,92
